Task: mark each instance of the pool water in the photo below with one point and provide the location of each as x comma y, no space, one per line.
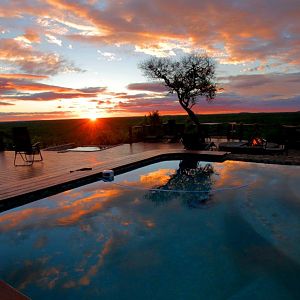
238,238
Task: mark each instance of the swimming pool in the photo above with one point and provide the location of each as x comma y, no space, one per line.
238,238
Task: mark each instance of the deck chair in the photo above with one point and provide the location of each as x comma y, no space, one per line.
24,148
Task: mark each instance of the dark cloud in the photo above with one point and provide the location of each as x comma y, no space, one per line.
23,116
5,103
100,102
93,90
235,101
156,87
10,86
264,85
49,96
136,96
25,87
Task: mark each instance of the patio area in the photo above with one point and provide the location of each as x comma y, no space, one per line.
55,163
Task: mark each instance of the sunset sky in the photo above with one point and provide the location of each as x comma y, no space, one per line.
74,59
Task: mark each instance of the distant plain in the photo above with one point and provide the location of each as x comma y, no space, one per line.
111,131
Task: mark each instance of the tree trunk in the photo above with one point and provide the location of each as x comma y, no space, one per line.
195,120
191,114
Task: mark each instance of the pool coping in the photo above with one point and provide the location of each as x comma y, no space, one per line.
16,194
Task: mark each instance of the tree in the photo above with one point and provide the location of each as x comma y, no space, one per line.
154,118
189,77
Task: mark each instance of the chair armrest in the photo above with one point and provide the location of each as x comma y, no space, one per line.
37,144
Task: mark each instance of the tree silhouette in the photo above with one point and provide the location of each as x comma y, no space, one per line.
189,77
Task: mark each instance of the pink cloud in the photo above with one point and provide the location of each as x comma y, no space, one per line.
266,32
248,93
33,61
248,30
32,36
227,103
242,30
264,85
18,84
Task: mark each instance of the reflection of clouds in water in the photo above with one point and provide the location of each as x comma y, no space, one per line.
113,220
233,173
86,228
156,178
36,271
136,201
126,223
85,280
41,242
11,220
98,220
229,174
60,214
148,223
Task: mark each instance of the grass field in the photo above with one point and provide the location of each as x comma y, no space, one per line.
109,131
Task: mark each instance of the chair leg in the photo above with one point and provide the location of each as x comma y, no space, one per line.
15,158
39,159
27,162
28,159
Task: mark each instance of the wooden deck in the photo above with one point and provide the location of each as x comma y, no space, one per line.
62,171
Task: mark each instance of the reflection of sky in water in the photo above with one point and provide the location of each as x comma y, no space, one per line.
106,241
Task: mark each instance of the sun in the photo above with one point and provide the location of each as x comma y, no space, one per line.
92,116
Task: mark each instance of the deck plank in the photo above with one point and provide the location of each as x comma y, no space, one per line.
54,171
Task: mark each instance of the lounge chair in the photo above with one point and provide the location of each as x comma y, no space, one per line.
24,148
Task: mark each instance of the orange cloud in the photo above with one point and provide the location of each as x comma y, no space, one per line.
241,31
64,214
232,31
248,30
85,280
24,76
156,178
32,36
